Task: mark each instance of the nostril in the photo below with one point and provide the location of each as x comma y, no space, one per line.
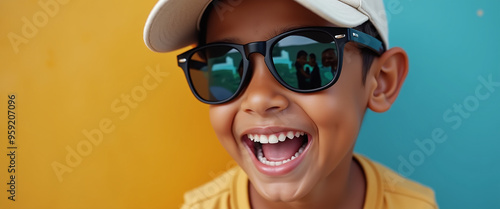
263,111
264,102
262,94
274,109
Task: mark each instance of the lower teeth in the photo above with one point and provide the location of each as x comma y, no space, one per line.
262,159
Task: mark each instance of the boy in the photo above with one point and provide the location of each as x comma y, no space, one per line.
293,144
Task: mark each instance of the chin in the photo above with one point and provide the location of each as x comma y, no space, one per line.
280,190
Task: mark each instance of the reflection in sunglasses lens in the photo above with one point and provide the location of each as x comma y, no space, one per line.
214,72
306,60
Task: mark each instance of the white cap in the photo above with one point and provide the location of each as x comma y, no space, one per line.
173,24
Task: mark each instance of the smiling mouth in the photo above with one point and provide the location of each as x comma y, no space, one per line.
279,148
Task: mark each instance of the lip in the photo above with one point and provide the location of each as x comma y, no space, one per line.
274,170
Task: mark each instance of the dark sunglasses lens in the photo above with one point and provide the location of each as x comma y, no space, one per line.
306,60
215,72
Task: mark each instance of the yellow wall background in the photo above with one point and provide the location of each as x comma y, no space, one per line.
70,64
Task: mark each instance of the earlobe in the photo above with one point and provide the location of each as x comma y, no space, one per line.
388,74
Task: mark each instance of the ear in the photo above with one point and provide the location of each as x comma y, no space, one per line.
387,76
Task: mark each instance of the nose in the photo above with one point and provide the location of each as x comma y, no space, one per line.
264,95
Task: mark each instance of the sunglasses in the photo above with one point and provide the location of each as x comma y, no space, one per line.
302,60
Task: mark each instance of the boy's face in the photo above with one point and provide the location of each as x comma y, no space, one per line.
312,60
330,118
302,60
329,59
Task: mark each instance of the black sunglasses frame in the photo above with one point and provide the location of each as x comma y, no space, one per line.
341,36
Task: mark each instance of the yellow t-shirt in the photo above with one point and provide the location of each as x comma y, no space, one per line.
384,190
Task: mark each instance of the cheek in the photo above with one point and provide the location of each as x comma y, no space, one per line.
344,102
337,117
221,118
338,111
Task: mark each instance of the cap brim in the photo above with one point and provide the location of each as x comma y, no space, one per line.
172,25
336,12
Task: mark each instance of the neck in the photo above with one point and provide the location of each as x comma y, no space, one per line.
343,188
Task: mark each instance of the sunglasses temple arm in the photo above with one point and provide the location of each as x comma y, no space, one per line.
366,40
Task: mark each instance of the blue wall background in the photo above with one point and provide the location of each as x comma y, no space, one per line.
452,92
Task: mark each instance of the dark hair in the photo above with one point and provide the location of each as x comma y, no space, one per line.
367,27
301,53
327,50
367,55
312,56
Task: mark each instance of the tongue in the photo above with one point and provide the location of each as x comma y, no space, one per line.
282,150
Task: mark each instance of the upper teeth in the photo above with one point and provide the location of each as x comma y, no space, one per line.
274,138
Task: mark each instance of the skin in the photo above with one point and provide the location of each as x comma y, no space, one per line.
312,61
327,177
303,60
328,58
